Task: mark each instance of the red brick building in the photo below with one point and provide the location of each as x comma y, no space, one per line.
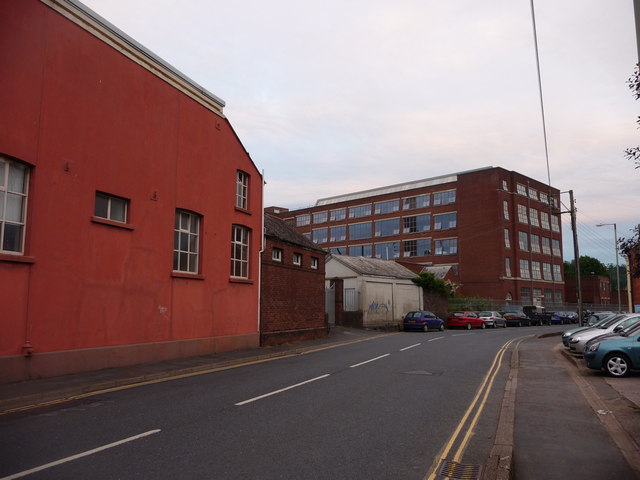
292,291
498,229
131,219
596,290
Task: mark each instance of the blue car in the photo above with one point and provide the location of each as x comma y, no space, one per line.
561,318
422,320
616,356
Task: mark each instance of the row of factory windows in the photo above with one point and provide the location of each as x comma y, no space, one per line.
419,247
383,228
379,208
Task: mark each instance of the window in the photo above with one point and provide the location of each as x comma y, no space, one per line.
411,203
338,250
546,246
240,251
557,274
535,270
350,304
338,214
535,243
523,241
448,246
544,199
555,245
525,295
533,194
276,254
505,186
314,263
533,217
522,214
14,179
388,250
507,266
505,206
544,220
507,242
443,222
338,234
555,224
110,207
420,247
444,198
548,293
319,235
320,217
387,207
546,271
537,293
521,189
385,228
417,223
360,211
361,251
242,186
558,296
186,242
360,230
302,220
297,259
524,269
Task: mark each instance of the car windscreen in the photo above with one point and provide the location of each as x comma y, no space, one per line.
631,325
413,314
485,314
611,321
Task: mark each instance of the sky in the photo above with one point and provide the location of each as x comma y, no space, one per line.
339,96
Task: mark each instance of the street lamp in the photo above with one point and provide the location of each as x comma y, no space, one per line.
615,240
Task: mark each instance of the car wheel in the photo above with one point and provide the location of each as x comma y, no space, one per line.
483,326
519,324
616,365
425,328
441,328
468,326
504,325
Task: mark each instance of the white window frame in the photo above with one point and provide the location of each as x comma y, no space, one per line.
242,189
522,214
533,217
7,192
240,238
110,215
507,266
314,263
186,230
507,240
506,209
276,254
524,269
297,259
521,189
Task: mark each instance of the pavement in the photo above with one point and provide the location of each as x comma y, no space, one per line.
558,419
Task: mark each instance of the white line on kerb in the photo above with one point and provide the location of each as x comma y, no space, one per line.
279,391
434,339
410,346
372,360
79,455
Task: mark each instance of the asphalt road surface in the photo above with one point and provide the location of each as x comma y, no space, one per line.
389,407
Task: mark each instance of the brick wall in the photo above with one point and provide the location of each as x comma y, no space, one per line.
292,296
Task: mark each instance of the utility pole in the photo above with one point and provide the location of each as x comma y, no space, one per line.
576,254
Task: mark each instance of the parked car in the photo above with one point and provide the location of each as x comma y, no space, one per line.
422,320
466,320
516,319
537,314
493,319
596,317
615,335
577,341
567,335
617,357
563,318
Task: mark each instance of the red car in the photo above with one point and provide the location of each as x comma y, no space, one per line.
466,320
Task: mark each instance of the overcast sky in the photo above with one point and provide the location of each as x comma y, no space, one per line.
338,96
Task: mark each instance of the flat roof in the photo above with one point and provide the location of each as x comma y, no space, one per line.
400,187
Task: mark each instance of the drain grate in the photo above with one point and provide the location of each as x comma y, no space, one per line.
459,470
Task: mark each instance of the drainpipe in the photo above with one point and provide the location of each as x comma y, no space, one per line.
260,256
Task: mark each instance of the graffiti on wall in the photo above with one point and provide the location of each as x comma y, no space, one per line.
376,307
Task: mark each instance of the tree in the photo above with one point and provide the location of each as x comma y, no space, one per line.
588,266
430,283
634,85
631,248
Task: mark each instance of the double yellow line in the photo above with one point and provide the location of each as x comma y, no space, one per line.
483,393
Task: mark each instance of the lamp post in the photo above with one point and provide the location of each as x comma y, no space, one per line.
615,240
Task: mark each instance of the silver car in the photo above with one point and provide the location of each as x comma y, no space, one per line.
615,324
493,319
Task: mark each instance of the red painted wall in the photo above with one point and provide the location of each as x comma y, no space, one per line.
87,119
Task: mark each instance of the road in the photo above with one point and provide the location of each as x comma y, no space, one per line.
384,408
